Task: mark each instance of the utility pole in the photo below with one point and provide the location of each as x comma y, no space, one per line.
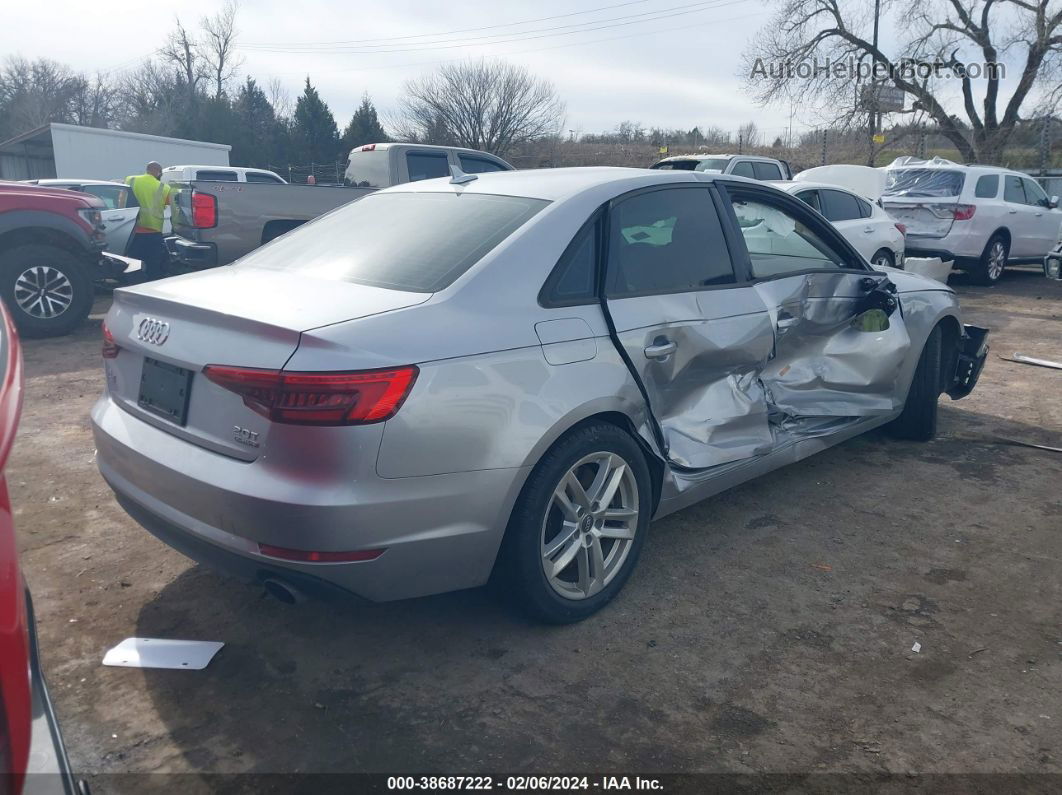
872,110
1045,143
824,134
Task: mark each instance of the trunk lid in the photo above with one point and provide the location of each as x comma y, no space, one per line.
168,331
925,217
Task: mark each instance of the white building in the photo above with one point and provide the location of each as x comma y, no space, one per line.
71,151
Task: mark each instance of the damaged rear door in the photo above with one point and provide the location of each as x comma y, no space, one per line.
695,332
840,338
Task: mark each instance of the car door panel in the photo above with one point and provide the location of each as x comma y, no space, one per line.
696,351
836,352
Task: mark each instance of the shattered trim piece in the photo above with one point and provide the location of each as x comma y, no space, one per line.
1021,358
191,655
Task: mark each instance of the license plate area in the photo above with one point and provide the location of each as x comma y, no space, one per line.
164,390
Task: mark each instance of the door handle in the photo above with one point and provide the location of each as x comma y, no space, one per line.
1012,212
868,229
660,350
787,322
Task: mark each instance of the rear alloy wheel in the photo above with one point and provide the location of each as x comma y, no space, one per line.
993,261
46,289
579,525
883,259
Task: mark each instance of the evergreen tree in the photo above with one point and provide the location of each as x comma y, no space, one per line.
260,136
364,127
314,132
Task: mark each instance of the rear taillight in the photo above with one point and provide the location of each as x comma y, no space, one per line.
204,210
902,228
964,212
110,347
369,148
310,556
356,398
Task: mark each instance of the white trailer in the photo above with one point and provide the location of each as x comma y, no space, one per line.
75,152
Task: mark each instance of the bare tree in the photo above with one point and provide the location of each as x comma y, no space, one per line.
279,98
95,102
33,93
749,134
183,51
957,40
219,46
489,105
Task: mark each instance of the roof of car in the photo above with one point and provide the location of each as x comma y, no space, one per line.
791,186
554,184
943,164
57,181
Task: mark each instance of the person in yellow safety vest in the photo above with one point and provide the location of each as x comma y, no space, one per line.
147,244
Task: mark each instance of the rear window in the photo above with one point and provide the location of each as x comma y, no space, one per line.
420,242
479,165
424,165
923,182
713,164
677,165
216,176
767,171
987,186
369,169
258,176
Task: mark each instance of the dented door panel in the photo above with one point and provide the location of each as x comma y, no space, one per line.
827,362
705,393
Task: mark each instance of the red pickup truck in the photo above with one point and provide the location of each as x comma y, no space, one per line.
51,254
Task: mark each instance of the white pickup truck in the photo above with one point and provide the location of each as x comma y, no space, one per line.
217,221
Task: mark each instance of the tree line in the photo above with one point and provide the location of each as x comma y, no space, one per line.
192,89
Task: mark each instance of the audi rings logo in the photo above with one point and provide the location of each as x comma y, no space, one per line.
153,331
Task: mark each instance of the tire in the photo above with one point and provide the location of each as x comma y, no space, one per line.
918,421
993,260
883,258
67,298
542,533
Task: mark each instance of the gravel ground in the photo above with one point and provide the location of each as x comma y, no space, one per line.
767,629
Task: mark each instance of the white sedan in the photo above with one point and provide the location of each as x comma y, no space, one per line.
863,223
120,211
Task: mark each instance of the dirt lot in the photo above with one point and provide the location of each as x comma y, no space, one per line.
768,629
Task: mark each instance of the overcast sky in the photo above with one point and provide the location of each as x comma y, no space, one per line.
670,63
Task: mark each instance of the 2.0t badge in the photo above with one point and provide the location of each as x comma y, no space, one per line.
153,331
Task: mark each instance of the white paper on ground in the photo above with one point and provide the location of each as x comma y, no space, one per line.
162,653
917,647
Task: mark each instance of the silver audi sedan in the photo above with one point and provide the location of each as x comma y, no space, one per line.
506,377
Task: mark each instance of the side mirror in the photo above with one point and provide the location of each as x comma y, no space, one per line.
1052,203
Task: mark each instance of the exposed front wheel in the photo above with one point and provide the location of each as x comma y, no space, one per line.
578,527
918,421
883,258
45,288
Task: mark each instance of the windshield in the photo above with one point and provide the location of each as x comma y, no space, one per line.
420,242
923,182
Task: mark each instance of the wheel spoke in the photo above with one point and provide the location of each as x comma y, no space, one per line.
625,533
597,566
567,532
578,493
585,577
608,490
570,549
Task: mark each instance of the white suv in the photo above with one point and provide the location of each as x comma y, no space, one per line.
982,217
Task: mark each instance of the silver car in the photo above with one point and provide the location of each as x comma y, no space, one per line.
506,376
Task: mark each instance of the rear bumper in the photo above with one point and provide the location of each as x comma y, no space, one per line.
191,254
440,532
972,353
47,771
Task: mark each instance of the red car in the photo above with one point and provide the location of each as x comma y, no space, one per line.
32,756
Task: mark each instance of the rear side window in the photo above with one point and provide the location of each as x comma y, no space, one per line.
766,171
987,186
479,165
572,281
216,176
865,210
744,169
419,242
422,165
838,206
666,241
116,197
254,176
810,197
1013,191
